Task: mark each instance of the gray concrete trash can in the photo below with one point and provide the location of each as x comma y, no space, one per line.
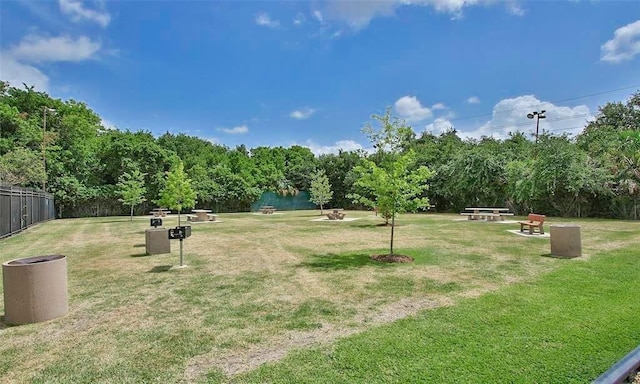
35,289
157,241
565,240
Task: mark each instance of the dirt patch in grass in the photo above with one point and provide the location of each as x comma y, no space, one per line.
395,258
256,355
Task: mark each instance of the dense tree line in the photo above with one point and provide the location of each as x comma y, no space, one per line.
81,162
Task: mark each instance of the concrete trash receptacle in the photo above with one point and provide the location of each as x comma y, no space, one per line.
565,240
157,241
35,289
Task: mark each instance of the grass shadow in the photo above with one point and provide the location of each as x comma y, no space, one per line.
110,221
334,262
139,255
3,324
139,245
374,225
160,269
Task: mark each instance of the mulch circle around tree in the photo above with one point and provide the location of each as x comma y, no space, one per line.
387,258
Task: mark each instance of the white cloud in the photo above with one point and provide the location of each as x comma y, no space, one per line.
212,140
17,73
410,109
18,63
473,100
438,106
265,20
318,15
77,11
344,145
239,130
108,124
438,126
510,115
38,49
302,114
299,19
514,8
625,44
358,14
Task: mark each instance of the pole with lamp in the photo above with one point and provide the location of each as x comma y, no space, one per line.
538,116
45,111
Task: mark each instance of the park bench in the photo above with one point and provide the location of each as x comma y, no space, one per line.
211,216
192,217
533,221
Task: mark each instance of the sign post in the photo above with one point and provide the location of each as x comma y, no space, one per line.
180,233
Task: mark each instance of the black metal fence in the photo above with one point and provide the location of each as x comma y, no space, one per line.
21,208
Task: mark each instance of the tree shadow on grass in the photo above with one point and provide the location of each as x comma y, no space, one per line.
334,262
376,225
139,254
139,245
109,221
160,269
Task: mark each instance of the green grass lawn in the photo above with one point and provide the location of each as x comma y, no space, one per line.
282,298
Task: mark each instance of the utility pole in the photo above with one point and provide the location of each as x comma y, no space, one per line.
45,110
538,116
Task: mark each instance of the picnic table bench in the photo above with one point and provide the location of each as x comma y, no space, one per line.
533,221
486,213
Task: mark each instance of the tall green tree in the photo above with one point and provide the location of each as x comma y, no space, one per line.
628,158
131,189
394,185
339,171
320,190
22,167
177,193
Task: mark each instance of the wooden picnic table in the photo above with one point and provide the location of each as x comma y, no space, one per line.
486,212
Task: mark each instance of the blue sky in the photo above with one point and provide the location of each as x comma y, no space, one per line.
311,73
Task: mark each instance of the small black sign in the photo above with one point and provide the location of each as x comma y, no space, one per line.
179,233
156,222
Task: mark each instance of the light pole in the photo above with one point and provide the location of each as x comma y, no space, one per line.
45,110
538,116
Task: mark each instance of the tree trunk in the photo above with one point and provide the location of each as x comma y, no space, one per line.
320,209
393,223
131,212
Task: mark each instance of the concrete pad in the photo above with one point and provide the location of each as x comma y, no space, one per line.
526,233
345,219
205,222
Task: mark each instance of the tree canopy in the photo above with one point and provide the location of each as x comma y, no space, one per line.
592,174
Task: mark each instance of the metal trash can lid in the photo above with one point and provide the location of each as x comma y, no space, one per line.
35,259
